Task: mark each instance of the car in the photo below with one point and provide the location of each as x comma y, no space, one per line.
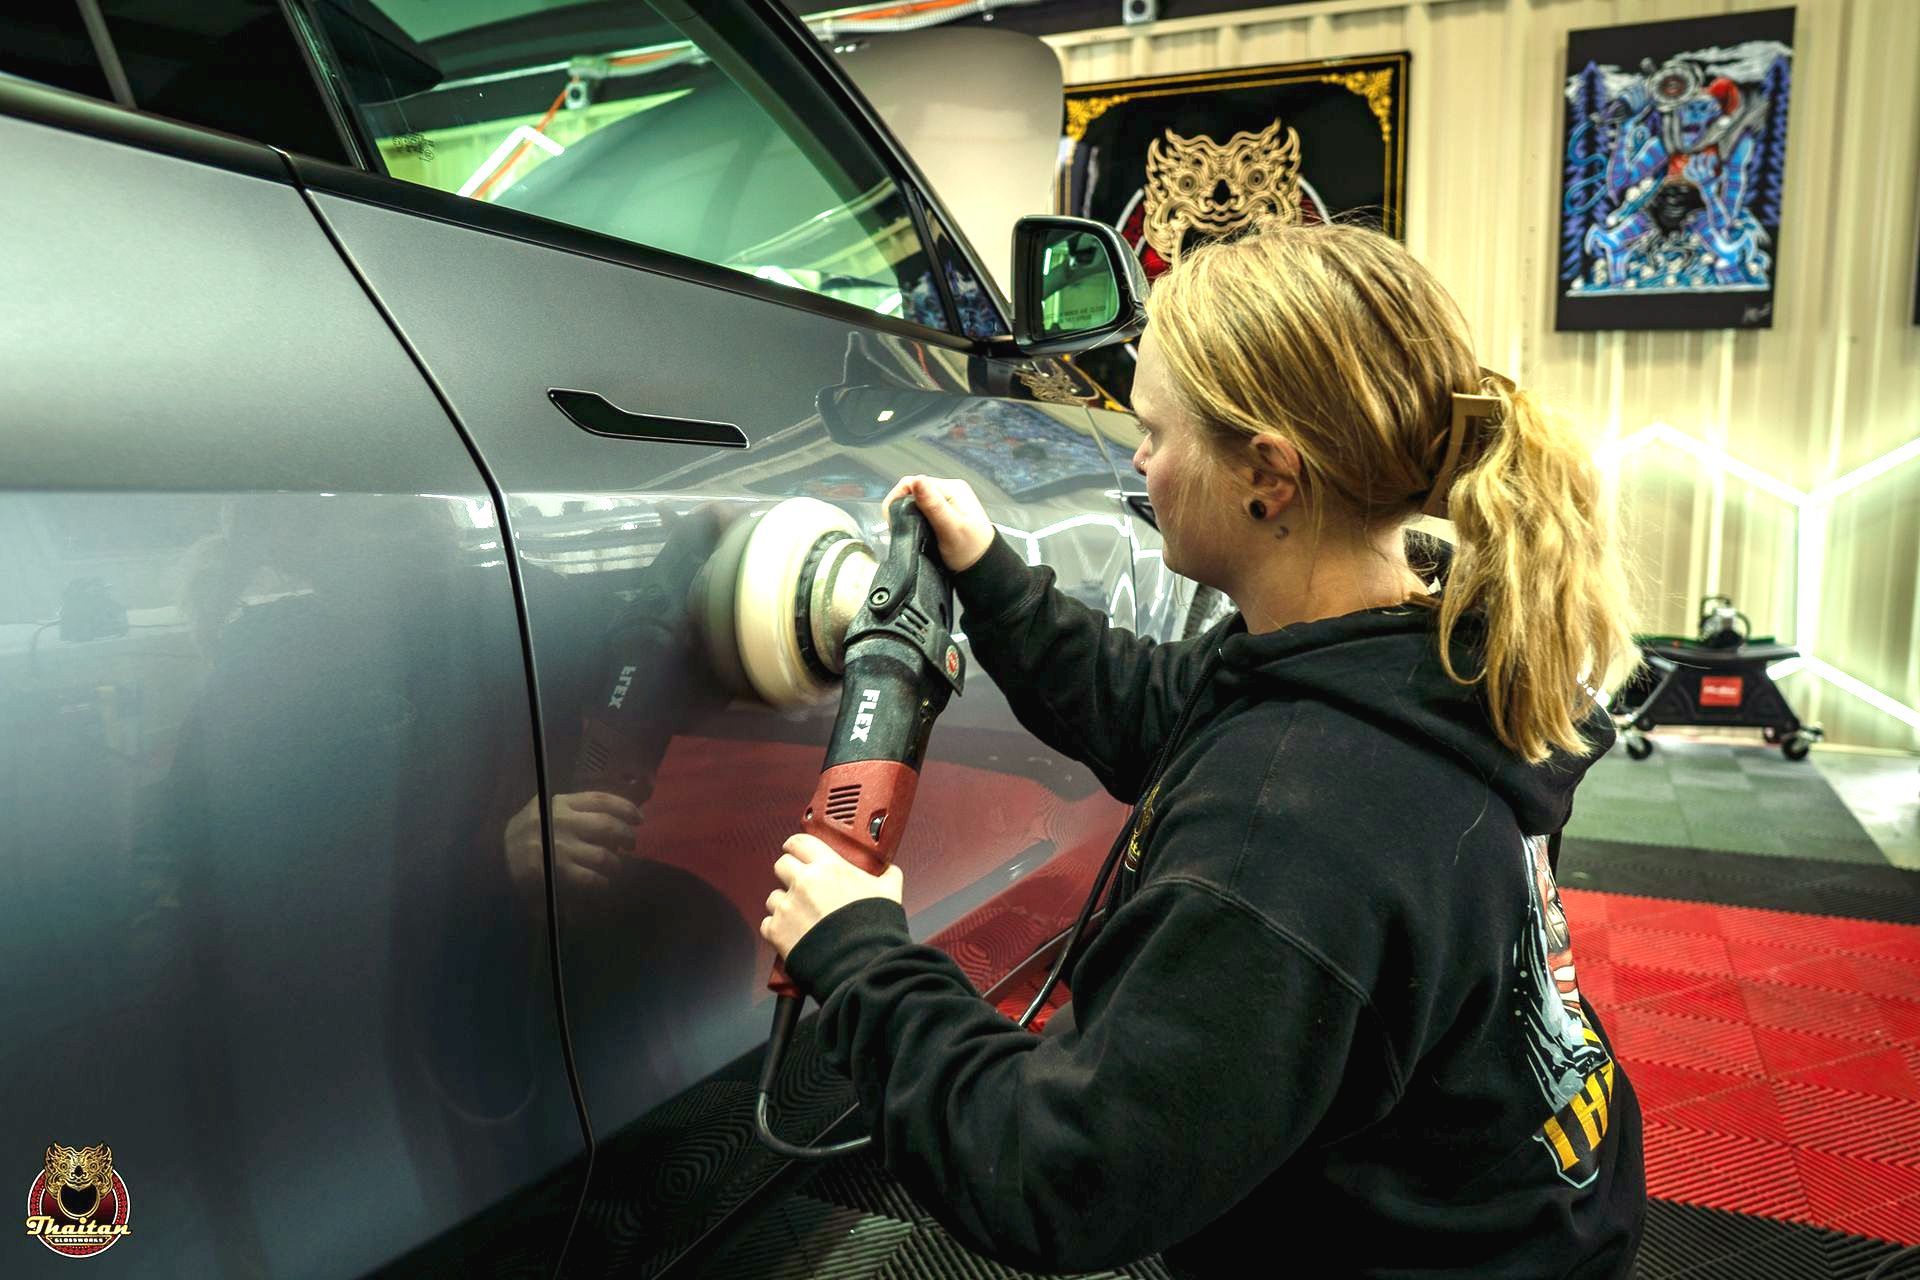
378,376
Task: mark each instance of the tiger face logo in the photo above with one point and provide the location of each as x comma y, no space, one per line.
72,1174
77,1206
1195,186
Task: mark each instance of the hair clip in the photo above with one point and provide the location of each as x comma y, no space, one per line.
1467,409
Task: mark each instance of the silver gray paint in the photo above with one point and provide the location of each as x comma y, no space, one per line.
255,932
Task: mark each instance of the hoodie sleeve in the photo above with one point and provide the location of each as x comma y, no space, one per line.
1091,690
1205,1049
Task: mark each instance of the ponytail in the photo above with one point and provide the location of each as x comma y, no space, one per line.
1336,338
1537,558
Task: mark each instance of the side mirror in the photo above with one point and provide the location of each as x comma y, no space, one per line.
1076,286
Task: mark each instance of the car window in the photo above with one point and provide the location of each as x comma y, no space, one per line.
702,136
49,44
979,313
231,65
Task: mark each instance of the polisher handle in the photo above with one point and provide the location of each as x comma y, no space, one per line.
859,810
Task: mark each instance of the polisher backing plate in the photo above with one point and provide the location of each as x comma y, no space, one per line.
770,598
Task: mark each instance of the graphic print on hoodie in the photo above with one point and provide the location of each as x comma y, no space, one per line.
1571,1065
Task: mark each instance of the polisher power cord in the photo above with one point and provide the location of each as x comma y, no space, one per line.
786,1016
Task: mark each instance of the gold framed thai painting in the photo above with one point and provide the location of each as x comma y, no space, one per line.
1171,161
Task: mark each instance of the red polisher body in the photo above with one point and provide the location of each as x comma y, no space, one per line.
859,810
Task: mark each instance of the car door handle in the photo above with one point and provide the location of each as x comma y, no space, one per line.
1143,507
593,412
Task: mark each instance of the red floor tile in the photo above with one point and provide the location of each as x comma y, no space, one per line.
1684,1042
1786,1052
1659,1087
1839,1186
1848,1124
1718,998
1679,917
1839,971
1643,988
1655,948
1756,959
1776,1056
1844,1014
1749,1110
1723,1171
1589,907
1879,1073
1898,1222
1900,1018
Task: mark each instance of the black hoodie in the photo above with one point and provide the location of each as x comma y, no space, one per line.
1331,1011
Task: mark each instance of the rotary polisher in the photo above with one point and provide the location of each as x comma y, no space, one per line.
793,603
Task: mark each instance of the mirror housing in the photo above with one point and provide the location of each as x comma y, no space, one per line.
1076,286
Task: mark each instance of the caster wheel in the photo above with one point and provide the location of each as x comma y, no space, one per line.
1796,747
1639,748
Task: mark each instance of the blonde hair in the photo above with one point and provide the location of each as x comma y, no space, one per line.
1338,340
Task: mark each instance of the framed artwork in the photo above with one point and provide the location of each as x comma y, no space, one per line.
1172,161
1674,161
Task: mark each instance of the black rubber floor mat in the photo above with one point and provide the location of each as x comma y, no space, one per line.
1766,882
1702,795
1684,1242
805,1238
854,1222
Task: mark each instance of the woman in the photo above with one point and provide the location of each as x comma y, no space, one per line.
1333,1008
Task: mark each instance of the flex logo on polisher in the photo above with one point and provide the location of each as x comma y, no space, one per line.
869,702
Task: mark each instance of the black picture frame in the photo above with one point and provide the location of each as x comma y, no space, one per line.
1673,173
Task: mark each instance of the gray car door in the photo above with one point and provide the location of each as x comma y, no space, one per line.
269,983
665,275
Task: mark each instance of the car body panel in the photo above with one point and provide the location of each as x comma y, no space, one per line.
663,970
261,683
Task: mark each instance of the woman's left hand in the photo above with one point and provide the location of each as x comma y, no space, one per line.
817,882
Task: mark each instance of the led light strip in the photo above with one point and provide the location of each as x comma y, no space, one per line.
1811,539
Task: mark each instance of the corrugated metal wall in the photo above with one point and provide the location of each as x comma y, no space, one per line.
1834,385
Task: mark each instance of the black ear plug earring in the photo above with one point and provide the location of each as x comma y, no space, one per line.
1257,509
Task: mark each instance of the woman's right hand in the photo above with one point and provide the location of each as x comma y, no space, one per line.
960,524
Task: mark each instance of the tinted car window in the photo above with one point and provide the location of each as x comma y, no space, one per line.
979,313
48,43
231,65
612,118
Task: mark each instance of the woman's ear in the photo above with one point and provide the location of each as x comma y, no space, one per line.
1273,470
